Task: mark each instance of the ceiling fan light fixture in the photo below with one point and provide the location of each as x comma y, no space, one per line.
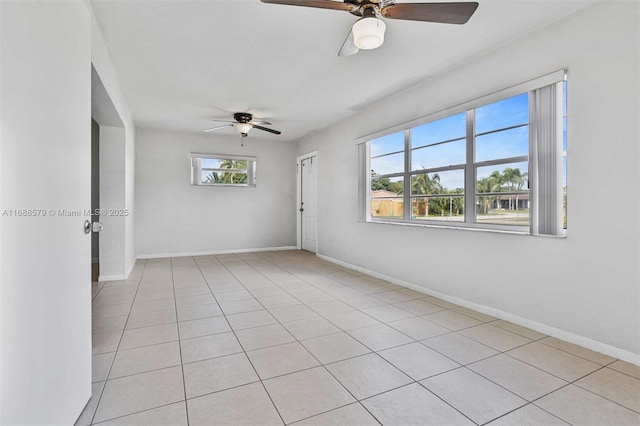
368,33
243,128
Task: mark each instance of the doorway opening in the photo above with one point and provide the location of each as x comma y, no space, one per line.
108,179
95,198
307,197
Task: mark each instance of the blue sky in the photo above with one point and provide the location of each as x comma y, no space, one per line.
510,143
506,113
211,163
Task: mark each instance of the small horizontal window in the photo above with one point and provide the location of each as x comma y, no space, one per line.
222,170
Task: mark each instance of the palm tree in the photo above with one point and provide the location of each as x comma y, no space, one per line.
509,177
488,185
233,177
213,178
423,184
520,180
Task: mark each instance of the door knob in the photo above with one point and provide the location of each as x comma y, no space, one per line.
92,227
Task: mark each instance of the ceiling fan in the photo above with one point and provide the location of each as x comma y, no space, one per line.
244,122
368,32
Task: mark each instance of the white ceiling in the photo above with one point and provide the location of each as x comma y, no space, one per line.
182,63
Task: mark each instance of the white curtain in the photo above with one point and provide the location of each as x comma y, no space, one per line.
362,181
545,157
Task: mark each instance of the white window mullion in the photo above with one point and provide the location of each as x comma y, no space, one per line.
197,165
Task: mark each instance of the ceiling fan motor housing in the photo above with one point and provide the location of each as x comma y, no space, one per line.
243,117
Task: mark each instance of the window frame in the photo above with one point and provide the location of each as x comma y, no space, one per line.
197,169
470,166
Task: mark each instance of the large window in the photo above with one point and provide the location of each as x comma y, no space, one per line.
500,164
219,170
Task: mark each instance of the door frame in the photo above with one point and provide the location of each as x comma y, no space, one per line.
299,198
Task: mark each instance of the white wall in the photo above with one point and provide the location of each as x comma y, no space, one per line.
585,287
174,217
45,275
124,228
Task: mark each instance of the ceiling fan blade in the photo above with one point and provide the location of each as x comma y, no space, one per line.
216,128
444,13
322,4
261,122
348,47
275,132
224,121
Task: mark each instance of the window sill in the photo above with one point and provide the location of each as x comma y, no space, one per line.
463,228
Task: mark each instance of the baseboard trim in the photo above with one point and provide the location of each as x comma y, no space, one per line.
118,277
130,268
567,336
214,252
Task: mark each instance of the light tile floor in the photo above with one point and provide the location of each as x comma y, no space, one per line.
284,337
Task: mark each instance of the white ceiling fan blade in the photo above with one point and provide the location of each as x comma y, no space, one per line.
216,128
348,47
261,122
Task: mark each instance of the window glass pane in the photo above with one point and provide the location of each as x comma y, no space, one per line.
387,208
390,143
564,133
564,192
449,182
446,154
564,97
210,163
448,128
224,177
503,209
238,177
385,203
506,113
210,177
493,209
387,187
222,163
387,164
512,177
445,208
504,144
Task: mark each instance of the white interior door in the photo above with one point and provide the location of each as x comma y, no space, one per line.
309,203
45,287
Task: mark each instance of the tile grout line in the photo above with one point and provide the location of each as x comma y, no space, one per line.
106,380
505,351
357,401
175,302
300,343
418,382
574,383
483,322
265,267
372,352
238,340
